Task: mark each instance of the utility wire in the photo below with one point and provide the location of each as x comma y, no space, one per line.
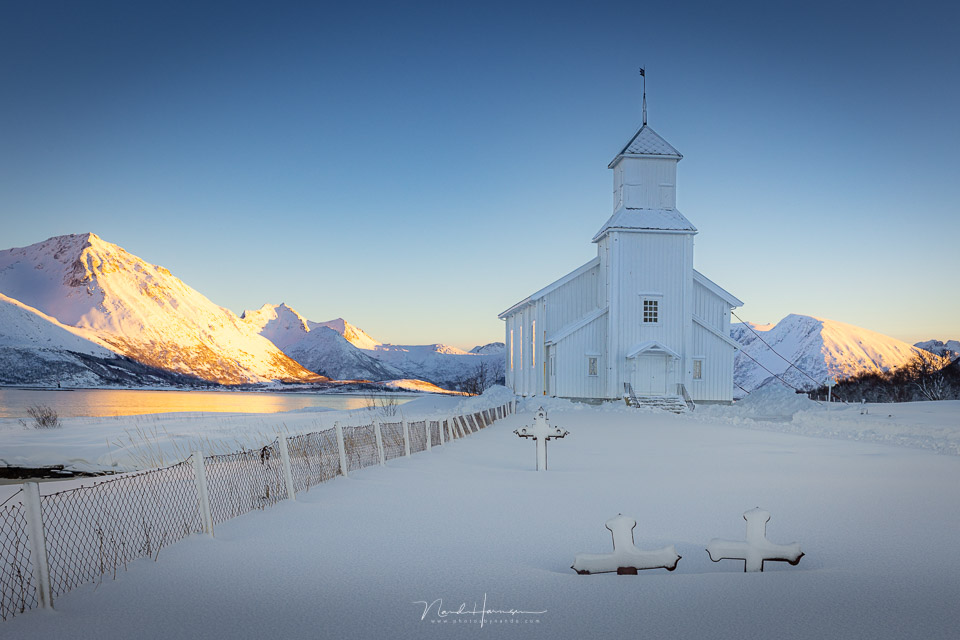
747,325
10,498
770,372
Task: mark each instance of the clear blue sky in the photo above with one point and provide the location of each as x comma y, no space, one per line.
418,168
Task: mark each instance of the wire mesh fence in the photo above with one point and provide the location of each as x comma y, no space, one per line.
471,423
242,481
392,435
418,436
95,531
17,593
360,446
314,458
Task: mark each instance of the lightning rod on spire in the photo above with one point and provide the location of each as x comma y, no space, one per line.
643,75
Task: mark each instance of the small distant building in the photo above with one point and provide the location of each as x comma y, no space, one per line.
639,312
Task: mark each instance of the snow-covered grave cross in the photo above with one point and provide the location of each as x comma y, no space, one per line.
626,558
756,549
541,431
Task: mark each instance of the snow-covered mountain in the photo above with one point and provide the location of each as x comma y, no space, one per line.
136,309
489,349
950,348
820,348
328,353
354,335
340,350
439,363
318,346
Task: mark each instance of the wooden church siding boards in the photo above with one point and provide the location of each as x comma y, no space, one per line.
639,308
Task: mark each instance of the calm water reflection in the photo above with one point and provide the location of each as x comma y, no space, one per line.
109,402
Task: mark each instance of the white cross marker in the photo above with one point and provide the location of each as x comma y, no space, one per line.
541,431
626,559
756,549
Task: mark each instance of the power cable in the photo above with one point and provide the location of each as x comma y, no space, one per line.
747,325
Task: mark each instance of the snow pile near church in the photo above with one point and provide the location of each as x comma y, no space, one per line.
819,348
774,407
773,400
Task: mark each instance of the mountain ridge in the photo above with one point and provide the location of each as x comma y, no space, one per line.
819,347
141,311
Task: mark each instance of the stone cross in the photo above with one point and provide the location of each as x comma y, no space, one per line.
541,431
626,558
756,549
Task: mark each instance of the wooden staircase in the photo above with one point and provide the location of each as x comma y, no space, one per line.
674,404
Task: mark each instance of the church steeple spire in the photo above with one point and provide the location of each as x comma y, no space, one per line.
643,75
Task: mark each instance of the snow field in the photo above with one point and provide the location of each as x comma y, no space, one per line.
352,558
922,425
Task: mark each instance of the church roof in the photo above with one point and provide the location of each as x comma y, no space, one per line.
647,220
647,142
553,286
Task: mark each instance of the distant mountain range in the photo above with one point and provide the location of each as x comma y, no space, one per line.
79,311
339,350
949,349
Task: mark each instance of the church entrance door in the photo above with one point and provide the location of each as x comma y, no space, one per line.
651,375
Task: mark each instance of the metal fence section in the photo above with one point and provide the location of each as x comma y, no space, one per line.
418,436
314,458
94,531
392,433
243,481
360,446
17,593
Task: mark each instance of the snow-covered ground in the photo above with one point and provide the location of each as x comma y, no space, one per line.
471,522
922,425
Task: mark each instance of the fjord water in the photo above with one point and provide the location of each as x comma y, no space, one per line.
70,403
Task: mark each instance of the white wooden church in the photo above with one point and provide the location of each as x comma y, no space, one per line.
639,312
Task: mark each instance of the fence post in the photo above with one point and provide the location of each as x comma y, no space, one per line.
406,438
458,420
426,424
343,451
440,422
200,476
38,544
287,471
379,434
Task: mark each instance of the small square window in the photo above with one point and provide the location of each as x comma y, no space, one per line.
592,366
651,311
698,369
